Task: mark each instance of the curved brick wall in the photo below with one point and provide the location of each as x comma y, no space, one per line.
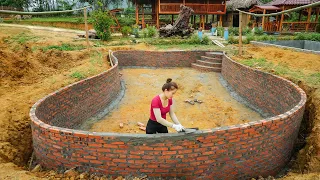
235,152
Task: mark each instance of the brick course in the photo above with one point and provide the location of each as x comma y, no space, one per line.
234,152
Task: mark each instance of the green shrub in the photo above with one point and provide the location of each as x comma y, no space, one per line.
1,20
101,23
205,40
194,39
126,30
258,31
135,31
126,21
308,36
80,20
144,33
263,38
248,38
220,31
233,40
152,31
246,31
233,31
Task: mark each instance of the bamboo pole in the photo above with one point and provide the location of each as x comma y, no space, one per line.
86,27
240,33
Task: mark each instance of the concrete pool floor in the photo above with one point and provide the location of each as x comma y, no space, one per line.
218,107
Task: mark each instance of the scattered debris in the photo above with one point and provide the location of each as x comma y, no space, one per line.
141,124
218,43
198,101
121,125
189,101
71,173
142,128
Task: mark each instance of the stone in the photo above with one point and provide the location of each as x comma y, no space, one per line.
71,173
37,168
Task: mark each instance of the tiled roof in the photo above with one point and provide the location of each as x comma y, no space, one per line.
291,2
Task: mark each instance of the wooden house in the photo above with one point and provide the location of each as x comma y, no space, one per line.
280,23
149,11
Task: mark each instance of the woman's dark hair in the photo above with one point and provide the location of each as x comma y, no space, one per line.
169,85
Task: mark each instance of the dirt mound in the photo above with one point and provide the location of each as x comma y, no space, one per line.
22,71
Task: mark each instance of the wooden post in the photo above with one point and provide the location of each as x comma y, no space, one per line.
203,21
137,13
157,11
308,20
281,20
194,20
172,18
86,26
263,19
240,33
142,22
220,21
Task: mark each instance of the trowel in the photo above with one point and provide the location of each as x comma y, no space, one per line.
189,130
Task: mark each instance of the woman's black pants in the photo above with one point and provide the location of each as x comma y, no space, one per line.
154,127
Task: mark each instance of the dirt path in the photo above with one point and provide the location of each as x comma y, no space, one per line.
218,109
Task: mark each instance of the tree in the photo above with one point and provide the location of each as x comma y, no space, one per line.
15,3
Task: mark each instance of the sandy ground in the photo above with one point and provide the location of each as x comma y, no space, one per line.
218,109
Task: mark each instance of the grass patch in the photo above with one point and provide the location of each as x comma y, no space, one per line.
96,58
64,47
21,38
283,70
78,75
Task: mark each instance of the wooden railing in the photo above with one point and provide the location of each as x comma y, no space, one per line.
174,8
271,26
299,26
